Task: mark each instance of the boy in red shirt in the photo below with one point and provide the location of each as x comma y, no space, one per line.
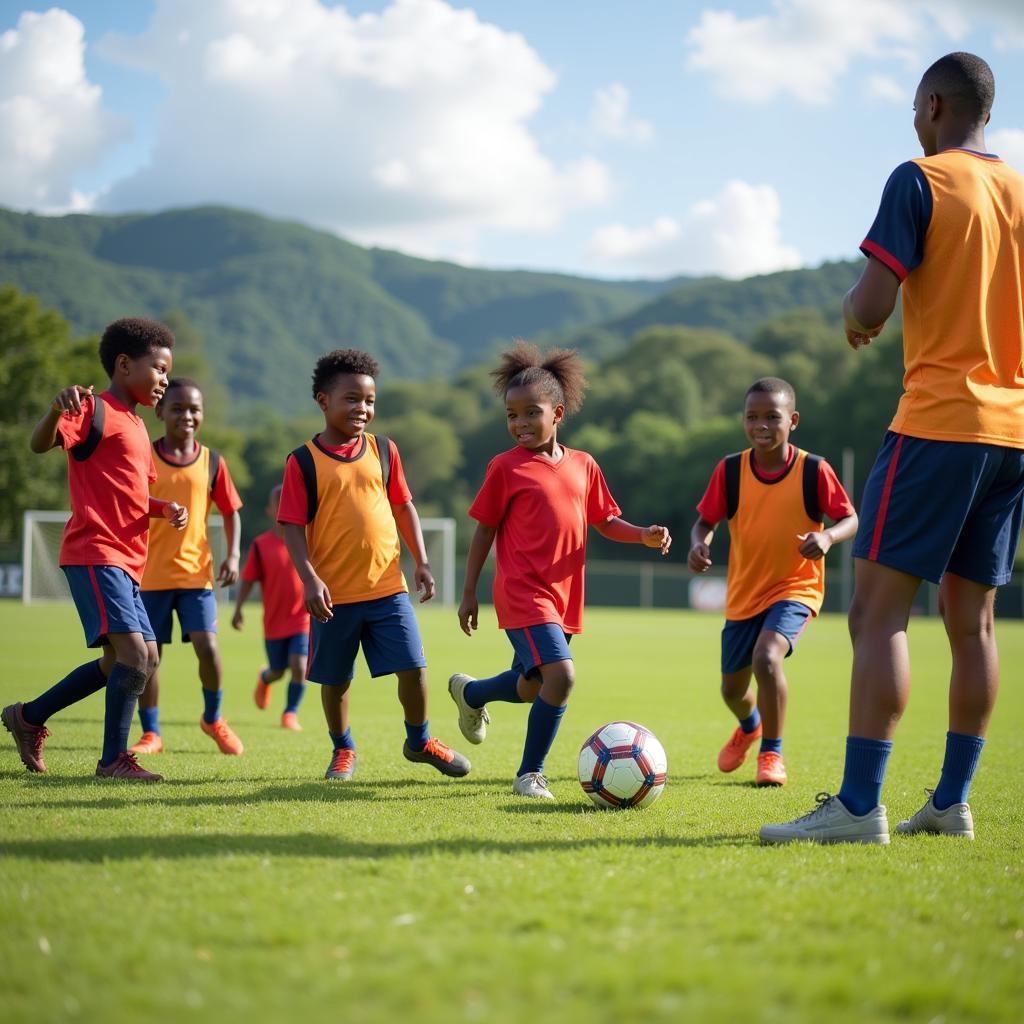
537,500
103,554
285,619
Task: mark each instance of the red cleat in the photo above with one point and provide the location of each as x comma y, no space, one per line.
342,766
290,720
221,734
734,753
771,771
127,769
149,743
261,695
28,737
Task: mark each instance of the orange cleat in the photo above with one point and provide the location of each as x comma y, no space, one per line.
734,753
290,720
261,695
127,769
440,756
770,769
221,734
343,765
149,743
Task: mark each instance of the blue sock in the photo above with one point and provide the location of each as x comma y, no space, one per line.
77,684
343,740
864,773
120,709
500,687
771,746
211,705
541,729
958,768
751,722
295,692
150,719
417,735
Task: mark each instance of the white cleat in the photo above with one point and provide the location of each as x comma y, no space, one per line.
532,784
831,822
472,721
955,820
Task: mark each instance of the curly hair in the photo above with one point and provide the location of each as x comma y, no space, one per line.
342,360
773,386
134,337
559,374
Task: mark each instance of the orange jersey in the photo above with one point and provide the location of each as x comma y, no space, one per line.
181,559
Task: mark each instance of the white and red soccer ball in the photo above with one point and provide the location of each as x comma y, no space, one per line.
623,765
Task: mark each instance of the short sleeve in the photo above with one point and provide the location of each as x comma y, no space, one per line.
601,505
491,502
713,507
252,571
398,489
151,470
896,238
294,507
832,498
225,497
72,429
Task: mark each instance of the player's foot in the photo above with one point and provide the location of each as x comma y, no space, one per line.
149,743
472,721
290,720
342,766
532,784
831,822
126,768
771,770
261,695
442,757
955,820
28,737
221,734
734,753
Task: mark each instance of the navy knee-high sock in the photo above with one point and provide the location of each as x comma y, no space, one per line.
962,755
864,773
500,687
295,693
541,730
123,689
77,684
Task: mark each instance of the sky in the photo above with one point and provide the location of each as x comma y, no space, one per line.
608,138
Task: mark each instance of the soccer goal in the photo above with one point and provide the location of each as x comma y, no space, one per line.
439,539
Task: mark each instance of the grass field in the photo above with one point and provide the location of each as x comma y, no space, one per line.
251,888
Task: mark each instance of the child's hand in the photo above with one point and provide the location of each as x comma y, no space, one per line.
699,559
69,401
425,585
657,537
176,515
228,572
318,599
236,619
469,610
858,339
814,545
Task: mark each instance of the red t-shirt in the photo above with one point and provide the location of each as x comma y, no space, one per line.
269,565
109,491
541,510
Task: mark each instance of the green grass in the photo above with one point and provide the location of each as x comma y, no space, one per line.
250,888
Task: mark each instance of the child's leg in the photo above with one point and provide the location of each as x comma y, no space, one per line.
132,661
335,704
772,689
504,686
75,686
210,672
412,694
271,675
740,698
149,699
546,714
297,685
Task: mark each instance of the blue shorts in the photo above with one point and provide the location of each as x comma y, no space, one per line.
283,648
739,636
385,628
933,506
538,645
196,608
108,601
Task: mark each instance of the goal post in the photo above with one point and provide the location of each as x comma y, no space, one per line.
439,540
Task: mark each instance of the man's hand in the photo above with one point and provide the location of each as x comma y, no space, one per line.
699,558
425,585
657,537
469,612
176,515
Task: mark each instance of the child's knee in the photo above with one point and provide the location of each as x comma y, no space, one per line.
558,679
205,645
133,652
767,661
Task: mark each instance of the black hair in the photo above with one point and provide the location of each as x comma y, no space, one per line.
965,82
559,374
342,360
134,337
772,386
179,382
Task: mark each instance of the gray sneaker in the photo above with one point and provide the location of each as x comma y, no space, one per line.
472,721
532,784
955,820
447,761
342,766
831,822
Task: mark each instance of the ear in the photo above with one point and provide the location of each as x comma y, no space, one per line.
158,409
934,106
123,364
559,413
321,400
794,420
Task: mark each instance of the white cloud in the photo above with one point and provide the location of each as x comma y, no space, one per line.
1009,144
609,116
883,87
734,234
410,124
52,122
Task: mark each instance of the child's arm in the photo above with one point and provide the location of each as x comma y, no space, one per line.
408,521
244,590
175,514
67,403
816,545
479,549
869,303
619,530
701,535
228,573
314,590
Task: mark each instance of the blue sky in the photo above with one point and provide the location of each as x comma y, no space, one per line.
607,138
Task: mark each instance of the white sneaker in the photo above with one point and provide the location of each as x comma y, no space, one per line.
955,820
472,721
532,784
831,822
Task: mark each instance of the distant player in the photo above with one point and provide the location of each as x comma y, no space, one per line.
179,574
343,506
945,497
285,619
537,500
103,553
774,497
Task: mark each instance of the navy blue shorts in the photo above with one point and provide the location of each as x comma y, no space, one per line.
108,601
386,630
538,645
196,608
739,636
933,506
281,649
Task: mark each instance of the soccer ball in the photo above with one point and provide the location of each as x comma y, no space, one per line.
622,765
